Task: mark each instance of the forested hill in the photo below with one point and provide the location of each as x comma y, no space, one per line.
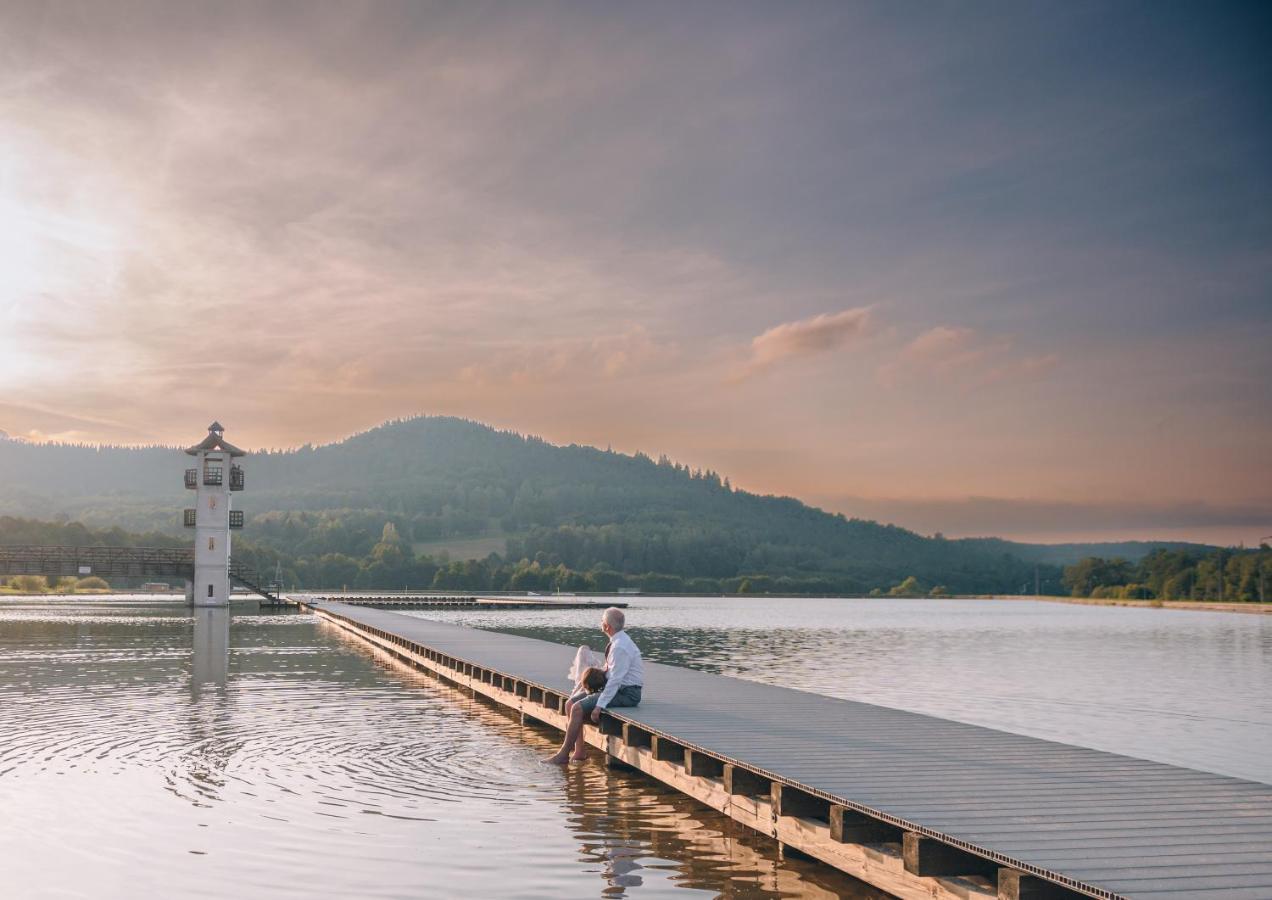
447,483
1067,554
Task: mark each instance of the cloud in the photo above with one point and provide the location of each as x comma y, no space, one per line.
964,356
38,424
945,347
303,224
807,337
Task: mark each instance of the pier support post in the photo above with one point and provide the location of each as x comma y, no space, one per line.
529,720
613,762
636,737
847,826
927,856
1016,885
786,851
789,801
743,782
611,727
668,751
701,766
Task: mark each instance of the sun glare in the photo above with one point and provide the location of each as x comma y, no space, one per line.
45,256
56,239
19,252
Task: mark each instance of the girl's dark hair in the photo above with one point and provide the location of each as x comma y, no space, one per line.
594,679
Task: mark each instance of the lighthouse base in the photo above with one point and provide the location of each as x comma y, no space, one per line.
208,602
211,586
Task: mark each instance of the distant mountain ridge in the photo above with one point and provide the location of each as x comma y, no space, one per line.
439,479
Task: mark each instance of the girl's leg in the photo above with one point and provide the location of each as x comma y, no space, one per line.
562,757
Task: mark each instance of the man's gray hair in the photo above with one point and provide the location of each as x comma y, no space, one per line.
614,618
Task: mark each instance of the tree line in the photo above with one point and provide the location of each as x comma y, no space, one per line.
388,562
555,516
332,550
1232,574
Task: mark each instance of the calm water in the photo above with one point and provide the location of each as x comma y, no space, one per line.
138,756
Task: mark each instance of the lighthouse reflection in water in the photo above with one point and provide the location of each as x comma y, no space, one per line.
211,649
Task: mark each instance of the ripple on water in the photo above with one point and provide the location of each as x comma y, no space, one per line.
315,764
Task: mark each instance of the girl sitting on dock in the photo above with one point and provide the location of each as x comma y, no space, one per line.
592,682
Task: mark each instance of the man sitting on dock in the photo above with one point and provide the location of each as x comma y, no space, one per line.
624,676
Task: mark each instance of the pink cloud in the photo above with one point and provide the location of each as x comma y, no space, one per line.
807,337
946,347
965,356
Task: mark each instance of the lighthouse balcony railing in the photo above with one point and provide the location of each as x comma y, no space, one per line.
213,475
236,518
237,478
192,478
189,517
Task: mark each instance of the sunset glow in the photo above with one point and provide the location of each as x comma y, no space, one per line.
968,281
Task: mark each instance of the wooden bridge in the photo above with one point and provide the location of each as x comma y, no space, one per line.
918,806
115,562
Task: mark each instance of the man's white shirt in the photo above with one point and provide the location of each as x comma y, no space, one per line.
623,667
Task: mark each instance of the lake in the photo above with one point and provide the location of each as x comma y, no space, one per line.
303,763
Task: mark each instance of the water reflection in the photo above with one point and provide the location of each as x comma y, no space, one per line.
198,772
630,827
211,657
635,832
305,762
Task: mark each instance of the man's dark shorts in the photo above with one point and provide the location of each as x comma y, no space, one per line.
627,695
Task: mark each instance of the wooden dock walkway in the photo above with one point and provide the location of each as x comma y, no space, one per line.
432,601
915,805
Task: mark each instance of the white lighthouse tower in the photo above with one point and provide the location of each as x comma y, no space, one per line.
213,478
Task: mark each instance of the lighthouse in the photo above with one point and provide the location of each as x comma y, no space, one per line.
214,478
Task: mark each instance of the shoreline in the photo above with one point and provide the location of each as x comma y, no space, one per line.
1188,605
1191,605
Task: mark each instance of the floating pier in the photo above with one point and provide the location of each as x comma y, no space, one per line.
918,806
432,601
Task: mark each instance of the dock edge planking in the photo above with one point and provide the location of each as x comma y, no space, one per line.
698,747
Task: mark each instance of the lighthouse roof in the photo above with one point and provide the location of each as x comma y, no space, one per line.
215,441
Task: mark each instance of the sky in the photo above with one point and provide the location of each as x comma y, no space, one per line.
992,268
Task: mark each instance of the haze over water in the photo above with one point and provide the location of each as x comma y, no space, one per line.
303,762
